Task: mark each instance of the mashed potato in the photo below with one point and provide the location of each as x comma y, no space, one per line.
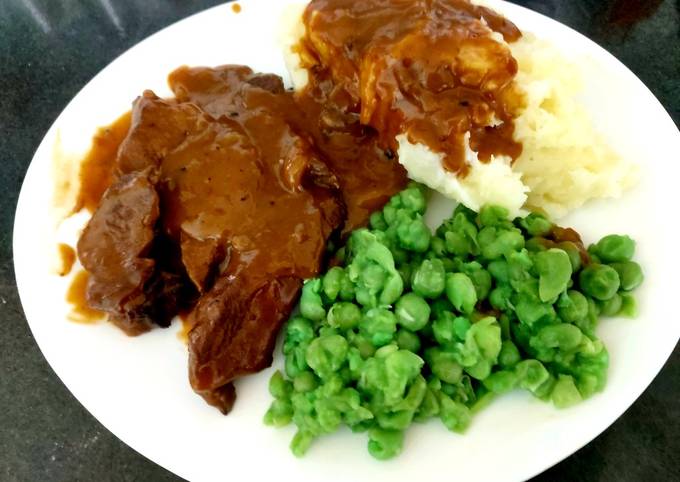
565,162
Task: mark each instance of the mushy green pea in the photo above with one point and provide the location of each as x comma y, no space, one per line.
412,325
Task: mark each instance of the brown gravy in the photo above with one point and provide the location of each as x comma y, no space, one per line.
96,169
427,68
187,325
67,256
76,296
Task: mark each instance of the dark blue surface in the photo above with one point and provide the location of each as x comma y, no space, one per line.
50,48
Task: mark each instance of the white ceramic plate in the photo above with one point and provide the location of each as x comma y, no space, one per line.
138,387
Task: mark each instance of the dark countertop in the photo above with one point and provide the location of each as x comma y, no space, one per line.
49,49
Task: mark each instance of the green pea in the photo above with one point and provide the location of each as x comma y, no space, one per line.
377,221
413,198
586,384
544,390
399,420
442,328
501,382
589,323
509,355
444,365
373,277
368,254
438,247
344,315
461,292
358,419
469,214
483,399
385,377
460,235
491,215
301,443
414,235
554,270
454,415
280,413
449,389
439,306
481,279
500,271
502,244
400,255
298,330
486,335
531,374
404,364
530,311
429,278
564,393
461,325
429,406
500,297
628,305
327,354
536,224
412,311
449,265
406,272
303,403
364,345
295,360
612,306
520,267
504,322
407,340
464,392
630,274
563,336
311,305
305,382
332,282
535,245
572,306
599,281
385,444
414,397
459,244
330,386
615,248
379,325
573,252
326,330
328,417
279,387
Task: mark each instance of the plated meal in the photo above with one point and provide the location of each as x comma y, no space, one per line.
249,210
228,201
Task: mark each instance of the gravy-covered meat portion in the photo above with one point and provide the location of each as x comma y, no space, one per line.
238,205
434,70
262,197
367,174
115,248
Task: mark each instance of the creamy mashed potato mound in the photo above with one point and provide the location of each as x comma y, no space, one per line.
565,162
